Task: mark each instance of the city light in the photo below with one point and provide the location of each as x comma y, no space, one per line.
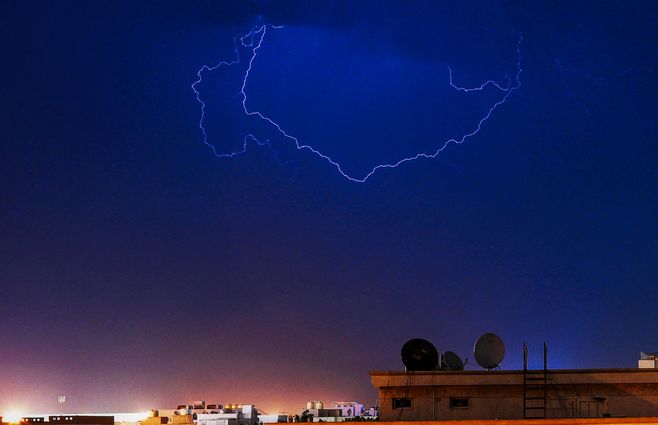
12,416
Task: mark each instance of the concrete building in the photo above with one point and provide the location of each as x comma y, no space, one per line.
459,395
202,413
339,411
348,409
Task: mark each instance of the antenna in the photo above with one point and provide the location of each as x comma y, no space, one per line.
419,354
489,350
451,361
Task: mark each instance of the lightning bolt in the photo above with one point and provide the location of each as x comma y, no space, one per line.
253,42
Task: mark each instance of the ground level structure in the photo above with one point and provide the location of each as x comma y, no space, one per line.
515,394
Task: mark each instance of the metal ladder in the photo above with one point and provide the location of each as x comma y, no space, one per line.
534,387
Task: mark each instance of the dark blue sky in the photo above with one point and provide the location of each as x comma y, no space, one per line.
139,270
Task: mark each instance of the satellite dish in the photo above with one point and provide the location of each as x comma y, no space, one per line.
419,354
489,350
451,361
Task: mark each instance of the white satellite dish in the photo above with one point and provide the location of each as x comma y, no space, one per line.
489,350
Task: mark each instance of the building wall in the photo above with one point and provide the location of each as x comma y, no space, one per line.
499,394
595,421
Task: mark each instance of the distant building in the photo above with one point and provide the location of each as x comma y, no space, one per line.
349,409
202,413
81,420
68,420
338,411
326,415
648,361
243,414
371,413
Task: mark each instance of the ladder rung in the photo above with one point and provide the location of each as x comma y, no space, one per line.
534,398
535,408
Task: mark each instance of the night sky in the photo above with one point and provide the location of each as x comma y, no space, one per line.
139,270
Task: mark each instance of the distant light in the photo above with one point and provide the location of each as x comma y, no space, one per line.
131,417
13,416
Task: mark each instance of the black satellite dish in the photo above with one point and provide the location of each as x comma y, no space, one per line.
452,361
419,354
